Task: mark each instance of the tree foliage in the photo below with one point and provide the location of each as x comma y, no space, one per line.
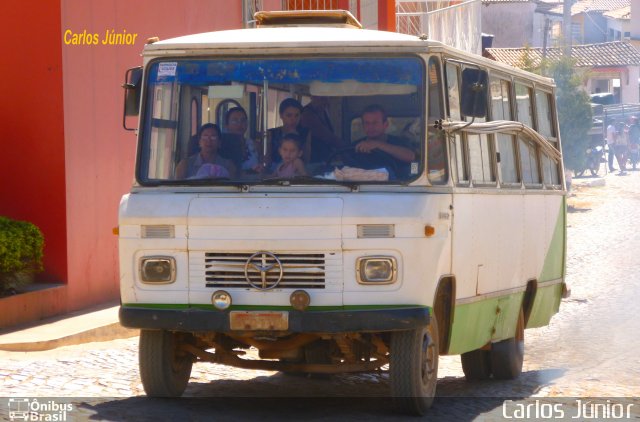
572,103
21,250
574,112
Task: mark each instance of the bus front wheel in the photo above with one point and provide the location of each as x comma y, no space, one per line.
164,370
413,368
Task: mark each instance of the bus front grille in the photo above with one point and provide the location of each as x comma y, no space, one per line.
299,270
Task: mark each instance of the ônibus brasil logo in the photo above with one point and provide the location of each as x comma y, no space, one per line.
23,409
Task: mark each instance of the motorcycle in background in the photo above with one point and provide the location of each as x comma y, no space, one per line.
595,156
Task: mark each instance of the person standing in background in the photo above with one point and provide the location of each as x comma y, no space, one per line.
621,147
611,142
634,141
315,118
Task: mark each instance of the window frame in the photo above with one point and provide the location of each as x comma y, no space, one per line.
531,87
458,139
144,153
490,143
501,77
554,139
443,108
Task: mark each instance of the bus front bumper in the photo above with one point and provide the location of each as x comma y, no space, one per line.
332,321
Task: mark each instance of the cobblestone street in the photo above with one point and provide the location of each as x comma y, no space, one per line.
590,349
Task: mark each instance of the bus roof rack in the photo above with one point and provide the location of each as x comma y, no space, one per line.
340,18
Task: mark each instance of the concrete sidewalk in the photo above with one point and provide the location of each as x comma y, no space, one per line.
94,324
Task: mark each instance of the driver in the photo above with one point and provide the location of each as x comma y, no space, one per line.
378,149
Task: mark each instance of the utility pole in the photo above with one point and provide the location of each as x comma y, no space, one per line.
545,35
566,27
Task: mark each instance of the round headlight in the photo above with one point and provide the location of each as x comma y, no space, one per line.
221,300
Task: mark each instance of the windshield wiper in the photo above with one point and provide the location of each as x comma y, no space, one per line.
305,180
297,180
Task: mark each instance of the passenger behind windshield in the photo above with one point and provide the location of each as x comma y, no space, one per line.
290,111
381,150
315,118
290,151
206,163
237,147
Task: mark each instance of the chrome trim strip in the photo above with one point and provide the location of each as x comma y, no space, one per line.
550,282
478,298
472,299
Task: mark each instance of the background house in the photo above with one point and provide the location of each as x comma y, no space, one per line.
618,24
519,23
513,23
588,23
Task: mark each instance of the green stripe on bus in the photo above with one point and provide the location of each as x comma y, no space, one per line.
477,323
553,267
545,305
155,305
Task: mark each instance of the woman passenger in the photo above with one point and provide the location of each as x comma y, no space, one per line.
237,124
207,159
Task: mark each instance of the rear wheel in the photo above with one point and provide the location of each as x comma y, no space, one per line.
507,355
413,368
476,364
164,369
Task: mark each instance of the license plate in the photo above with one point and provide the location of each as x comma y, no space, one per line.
259,320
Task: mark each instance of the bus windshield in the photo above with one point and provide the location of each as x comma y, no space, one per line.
282,121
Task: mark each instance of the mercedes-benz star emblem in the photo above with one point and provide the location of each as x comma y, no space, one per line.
263,262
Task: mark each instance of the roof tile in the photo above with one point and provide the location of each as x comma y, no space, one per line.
622,13
585,6
616,53
506,1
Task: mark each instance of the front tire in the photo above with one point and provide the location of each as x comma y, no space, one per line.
164,369
413,368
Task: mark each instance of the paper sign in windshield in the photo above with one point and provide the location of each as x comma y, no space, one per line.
167,69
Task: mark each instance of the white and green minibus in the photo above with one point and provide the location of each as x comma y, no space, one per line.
359,260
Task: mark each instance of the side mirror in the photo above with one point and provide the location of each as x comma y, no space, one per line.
132,86
473,93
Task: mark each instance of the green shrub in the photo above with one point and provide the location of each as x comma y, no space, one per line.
21,245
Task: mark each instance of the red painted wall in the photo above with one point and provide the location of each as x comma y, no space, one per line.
32,163
100,155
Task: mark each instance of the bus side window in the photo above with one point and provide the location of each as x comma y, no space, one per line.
436,146
543,114
550,171
501,110
544,117
528,149
481,153
458,149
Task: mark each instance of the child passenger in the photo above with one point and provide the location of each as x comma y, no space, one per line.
291,153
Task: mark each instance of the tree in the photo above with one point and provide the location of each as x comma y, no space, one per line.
572,103
574,112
